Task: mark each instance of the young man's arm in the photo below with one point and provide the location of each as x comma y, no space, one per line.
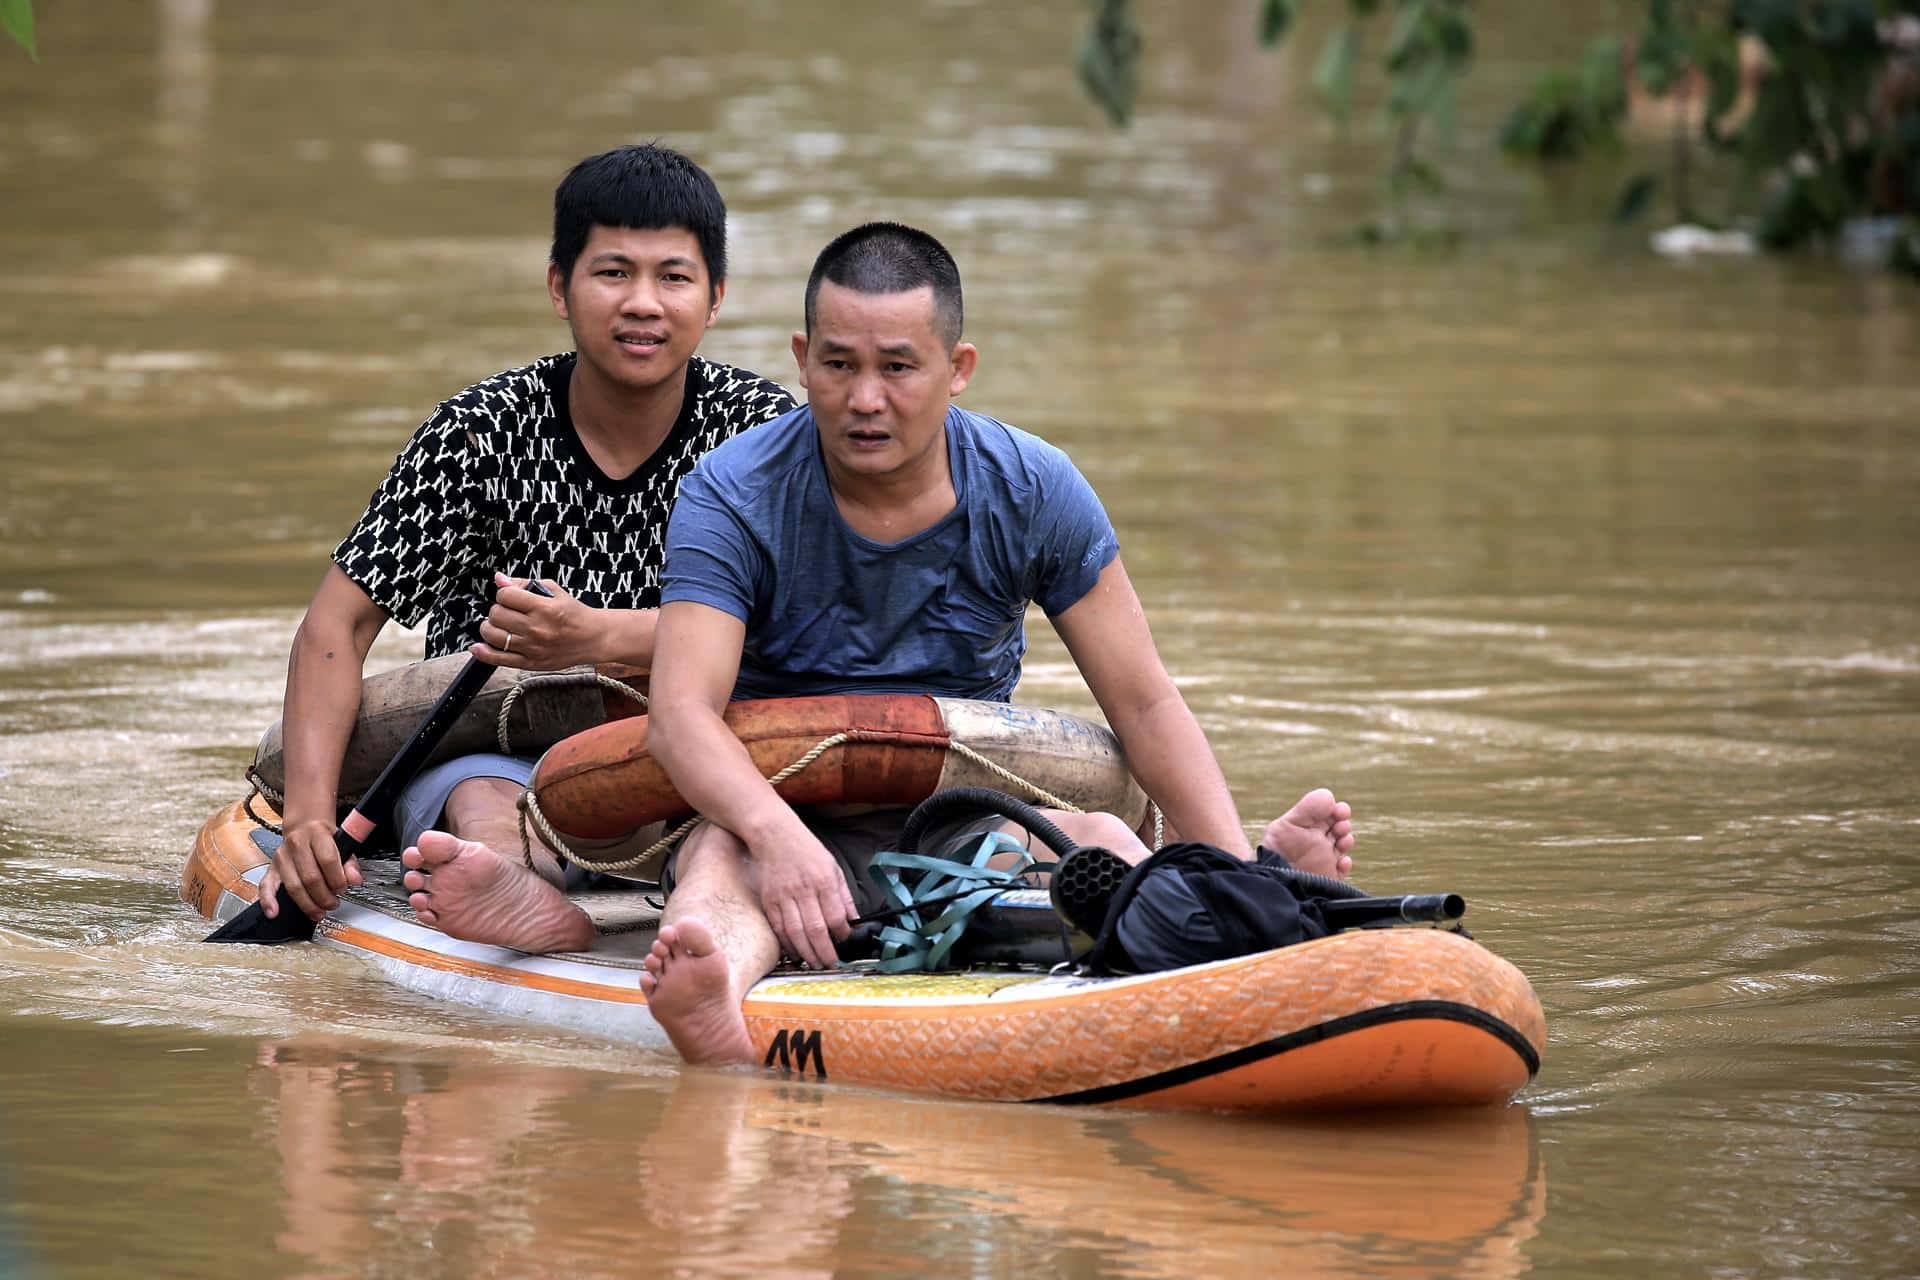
1106,632
322,703
696,661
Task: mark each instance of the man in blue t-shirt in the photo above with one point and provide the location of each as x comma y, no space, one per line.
881,539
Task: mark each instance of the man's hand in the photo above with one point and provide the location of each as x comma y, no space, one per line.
538,633
308,863
806,900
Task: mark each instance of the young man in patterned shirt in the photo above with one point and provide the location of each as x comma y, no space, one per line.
563,470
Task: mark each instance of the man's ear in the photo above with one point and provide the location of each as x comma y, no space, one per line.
557,289
965,358
800,355
717,296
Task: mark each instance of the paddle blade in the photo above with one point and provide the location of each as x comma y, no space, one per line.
256,926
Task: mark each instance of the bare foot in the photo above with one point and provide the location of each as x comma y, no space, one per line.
690,994
466,890
1314,835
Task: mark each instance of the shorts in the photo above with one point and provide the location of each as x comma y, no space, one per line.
853,839
423,803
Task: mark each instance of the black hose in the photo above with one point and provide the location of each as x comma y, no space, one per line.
1315,885
973,800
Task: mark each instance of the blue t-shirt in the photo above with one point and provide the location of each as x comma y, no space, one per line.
755,533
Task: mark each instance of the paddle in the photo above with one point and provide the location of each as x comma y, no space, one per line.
292,924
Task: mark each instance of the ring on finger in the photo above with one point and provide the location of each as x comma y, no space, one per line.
508,646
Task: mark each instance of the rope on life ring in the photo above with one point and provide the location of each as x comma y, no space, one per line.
530,809
557,680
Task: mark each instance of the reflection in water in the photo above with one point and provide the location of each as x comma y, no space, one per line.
488,1170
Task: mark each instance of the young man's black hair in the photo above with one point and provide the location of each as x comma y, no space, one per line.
645,187
886,257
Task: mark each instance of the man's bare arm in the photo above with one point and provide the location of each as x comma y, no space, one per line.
1106,632
317,717
696,661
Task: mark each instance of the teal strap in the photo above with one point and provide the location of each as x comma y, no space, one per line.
916,944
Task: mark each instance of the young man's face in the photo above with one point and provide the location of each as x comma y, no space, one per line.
878,378
638,303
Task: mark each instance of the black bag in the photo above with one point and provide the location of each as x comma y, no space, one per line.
1191,903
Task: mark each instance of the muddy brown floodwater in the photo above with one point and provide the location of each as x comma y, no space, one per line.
1590,579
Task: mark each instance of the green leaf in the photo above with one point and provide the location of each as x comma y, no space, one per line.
1535,128
1634,198
1108,59
1418,92
1453,33
1276,16
1333,73
1406,41
17,17
1661,58
1603,85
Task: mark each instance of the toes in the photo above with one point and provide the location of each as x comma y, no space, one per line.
435,848
694,938
414,880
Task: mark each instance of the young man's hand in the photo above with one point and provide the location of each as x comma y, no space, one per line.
539,633
308,863
806,900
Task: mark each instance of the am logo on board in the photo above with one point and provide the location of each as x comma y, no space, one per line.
791,1051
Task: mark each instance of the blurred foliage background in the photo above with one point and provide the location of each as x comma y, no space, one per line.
1818,100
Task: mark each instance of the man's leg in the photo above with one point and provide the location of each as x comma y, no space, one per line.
1315,835
487,811
1101,829
714,944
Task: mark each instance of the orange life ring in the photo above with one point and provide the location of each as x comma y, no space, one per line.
879,749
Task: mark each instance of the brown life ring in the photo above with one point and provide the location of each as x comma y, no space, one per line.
877,749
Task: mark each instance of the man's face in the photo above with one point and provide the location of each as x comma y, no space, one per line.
878,378
638,303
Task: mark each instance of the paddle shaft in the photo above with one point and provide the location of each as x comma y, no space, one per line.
290,924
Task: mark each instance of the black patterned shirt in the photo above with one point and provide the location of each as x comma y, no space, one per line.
497,478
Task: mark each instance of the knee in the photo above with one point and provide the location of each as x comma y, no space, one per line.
710,853
1103,829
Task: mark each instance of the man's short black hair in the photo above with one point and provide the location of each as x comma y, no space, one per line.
886,257
645,187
